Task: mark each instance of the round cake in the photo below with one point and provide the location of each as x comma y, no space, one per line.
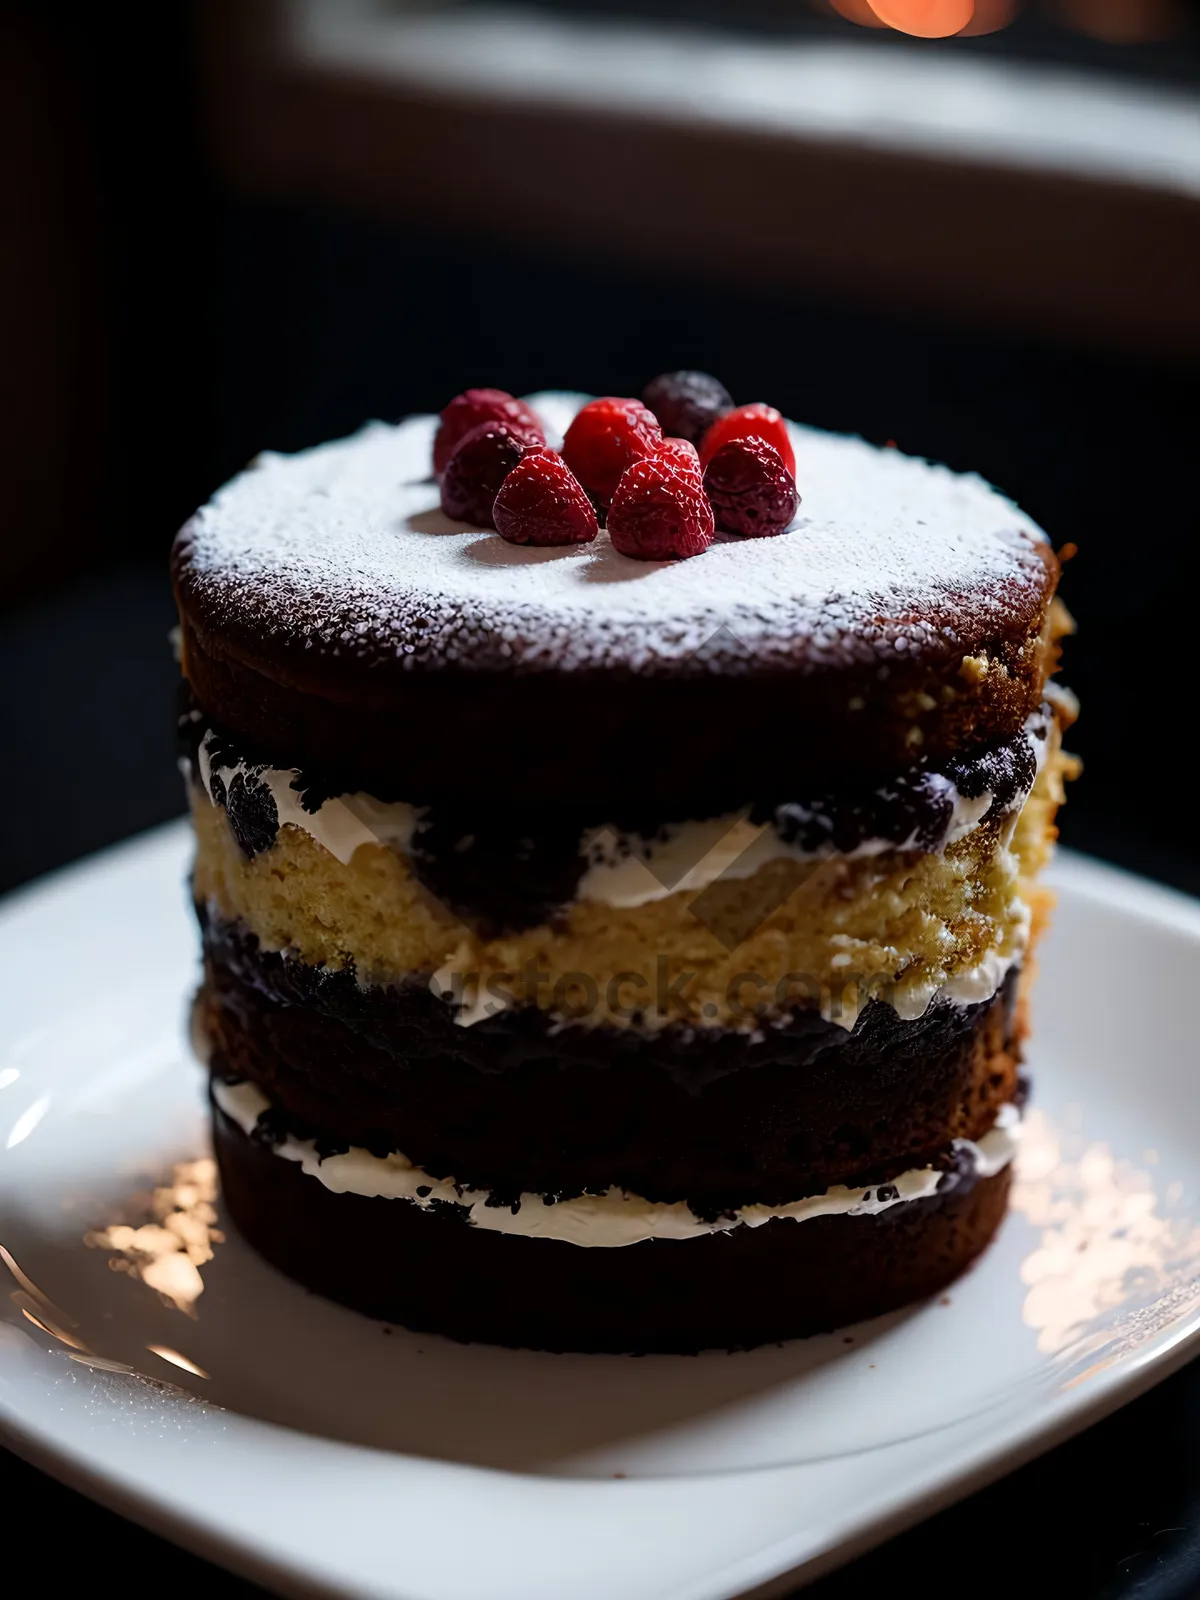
605,953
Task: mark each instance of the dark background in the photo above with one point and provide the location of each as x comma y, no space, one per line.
166,312
161,325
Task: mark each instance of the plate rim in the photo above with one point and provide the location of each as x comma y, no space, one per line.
769,1570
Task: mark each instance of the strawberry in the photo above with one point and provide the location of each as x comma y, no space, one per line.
751,491
467,410
542,502
659,511
750,422
477,467
607,436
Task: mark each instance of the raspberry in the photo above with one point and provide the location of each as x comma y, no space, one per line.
660,511
478,466
469,409
683,450
751,491
750,422
542,502
687,403
606,437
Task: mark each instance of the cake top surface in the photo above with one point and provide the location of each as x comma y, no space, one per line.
341,553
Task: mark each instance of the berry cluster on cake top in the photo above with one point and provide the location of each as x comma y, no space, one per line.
664,474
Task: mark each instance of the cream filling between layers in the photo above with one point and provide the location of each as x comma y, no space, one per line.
907,927
340,825
627,871
624,870
607,1220
967,987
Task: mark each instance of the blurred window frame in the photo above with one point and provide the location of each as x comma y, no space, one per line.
993,192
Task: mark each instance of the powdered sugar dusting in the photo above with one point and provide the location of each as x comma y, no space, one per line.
342,550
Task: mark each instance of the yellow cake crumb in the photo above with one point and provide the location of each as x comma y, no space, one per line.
826,932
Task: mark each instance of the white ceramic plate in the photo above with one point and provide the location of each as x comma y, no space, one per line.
165,1370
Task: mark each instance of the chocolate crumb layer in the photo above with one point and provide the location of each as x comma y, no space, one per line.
429,1270
500,867
334,618
721,1118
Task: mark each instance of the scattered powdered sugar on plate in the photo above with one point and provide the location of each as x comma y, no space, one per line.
343,549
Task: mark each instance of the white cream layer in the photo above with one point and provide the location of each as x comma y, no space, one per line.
608,1220
968,986
624,870
633,873
340,824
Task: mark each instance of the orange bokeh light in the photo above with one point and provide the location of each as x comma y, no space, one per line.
926,19
858,11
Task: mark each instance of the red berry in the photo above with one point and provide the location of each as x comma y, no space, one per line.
607,436
687,403
542,502
751,491
660,511
478,466
750,422
683,451
469,409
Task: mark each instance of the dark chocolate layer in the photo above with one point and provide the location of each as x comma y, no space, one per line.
500,868
332,616
718,1118
654,747
430,1270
